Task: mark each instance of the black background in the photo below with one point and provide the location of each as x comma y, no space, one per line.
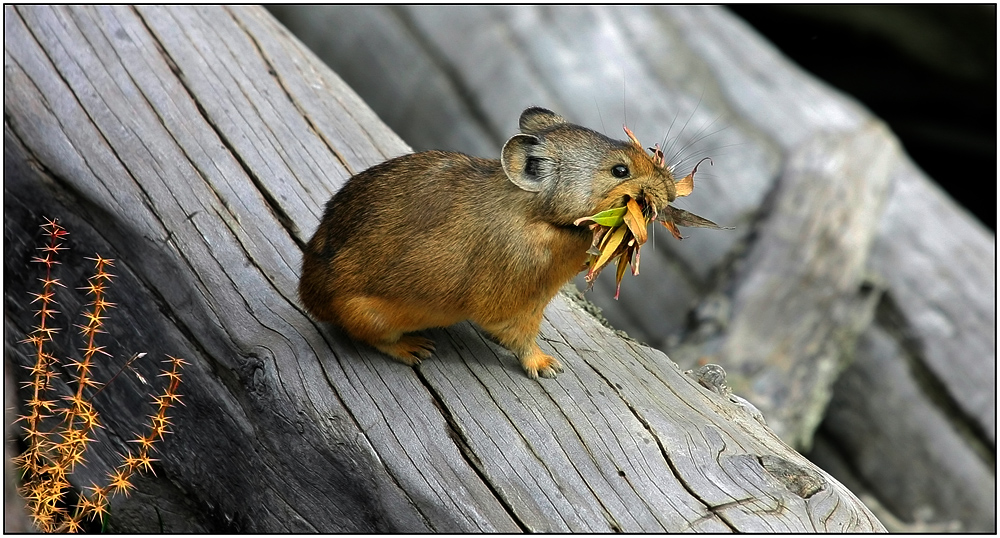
929,71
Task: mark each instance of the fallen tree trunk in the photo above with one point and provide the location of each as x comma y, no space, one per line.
196,147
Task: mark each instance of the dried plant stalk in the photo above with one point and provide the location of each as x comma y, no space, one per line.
52,454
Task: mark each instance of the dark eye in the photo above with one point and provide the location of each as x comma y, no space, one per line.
619,170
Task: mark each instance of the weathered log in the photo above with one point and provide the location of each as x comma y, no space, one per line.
835,225
196,146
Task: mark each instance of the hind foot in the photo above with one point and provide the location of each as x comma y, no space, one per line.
409,350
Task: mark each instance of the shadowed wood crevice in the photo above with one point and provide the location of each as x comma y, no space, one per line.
466,95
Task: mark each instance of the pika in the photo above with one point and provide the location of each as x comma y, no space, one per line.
434,238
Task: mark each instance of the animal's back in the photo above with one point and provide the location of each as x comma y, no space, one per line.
442,232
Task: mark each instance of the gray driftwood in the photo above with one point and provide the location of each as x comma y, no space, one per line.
845,255
196,147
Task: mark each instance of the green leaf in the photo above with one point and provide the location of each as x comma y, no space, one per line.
610,217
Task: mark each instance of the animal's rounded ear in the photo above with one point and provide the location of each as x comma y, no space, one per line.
534,120
523,161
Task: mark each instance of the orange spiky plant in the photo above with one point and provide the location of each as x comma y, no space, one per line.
55,447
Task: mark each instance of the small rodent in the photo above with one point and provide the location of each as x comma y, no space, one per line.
434,238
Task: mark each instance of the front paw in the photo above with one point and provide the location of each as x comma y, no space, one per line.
540,364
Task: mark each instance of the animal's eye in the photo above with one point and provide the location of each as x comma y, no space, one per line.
619,170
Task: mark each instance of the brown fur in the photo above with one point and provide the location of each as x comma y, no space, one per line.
435,238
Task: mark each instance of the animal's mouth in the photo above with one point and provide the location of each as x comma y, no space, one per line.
621,231
649,205
618,233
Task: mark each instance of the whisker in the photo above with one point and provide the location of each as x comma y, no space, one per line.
699,135
663,144
624,105
715,151
598,107
669,150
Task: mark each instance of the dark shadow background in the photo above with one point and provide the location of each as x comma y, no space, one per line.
929,71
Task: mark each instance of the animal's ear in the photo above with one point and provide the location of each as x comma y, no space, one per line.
534,120
526,165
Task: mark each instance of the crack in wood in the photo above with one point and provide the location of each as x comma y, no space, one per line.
525,439
279,80
892,319
462,90
70,89
664,453
357,423
612,522
253,261
462,444
271,202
